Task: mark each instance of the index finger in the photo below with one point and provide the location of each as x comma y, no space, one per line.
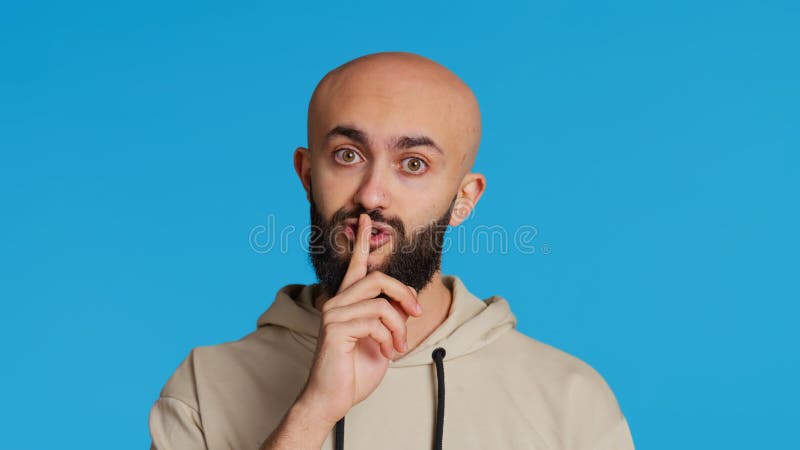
357,269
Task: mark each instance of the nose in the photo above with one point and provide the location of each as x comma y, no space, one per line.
373,192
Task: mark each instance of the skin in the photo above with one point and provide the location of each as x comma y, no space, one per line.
388,95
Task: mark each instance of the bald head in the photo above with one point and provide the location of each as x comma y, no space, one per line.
399,92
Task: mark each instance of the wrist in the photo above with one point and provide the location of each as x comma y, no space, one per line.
311,412
299,429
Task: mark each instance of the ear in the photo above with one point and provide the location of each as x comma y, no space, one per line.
302,165
472,187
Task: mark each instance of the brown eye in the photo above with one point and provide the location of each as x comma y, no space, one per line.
347,155
414,165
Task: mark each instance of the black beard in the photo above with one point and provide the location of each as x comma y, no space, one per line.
413,261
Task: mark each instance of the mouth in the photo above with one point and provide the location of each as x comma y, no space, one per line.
379,235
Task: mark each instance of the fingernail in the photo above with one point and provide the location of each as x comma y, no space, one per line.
418,308
405,346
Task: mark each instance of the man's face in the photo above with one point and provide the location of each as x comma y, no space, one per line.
387,140
417,253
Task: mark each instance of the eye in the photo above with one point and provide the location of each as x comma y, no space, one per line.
414,165
346,156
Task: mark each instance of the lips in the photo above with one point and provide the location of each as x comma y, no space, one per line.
380,234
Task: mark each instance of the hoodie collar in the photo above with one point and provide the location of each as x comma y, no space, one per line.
471,324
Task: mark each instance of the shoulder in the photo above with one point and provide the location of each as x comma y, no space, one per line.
266,351
202,363
556,369
576,394
550,359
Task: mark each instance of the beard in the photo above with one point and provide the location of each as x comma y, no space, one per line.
413,261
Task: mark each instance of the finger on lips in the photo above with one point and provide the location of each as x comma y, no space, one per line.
357,269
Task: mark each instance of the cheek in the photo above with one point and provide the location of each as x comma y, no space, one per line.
422,209
416,216
331,192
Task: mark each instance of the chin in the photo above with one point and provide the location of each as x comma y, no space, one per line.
375,262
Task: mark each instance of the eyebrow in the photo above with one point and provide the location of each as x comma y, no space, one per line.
399,143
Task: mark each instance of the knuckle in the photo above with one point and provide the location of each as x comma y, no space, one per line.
332,328
378,274
378,327
377,305
330,317
371,276
381,308
328,305
388,310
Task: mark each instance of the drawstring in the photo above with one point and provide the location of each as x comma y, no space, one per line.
438,356
340,434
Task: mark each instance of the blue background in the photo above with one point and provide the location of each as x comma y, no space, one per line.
653,146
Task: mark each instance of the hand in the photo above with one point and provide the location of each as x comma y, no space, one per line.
358,335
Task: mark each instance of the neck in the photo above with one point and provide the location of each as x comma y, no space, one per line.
435,298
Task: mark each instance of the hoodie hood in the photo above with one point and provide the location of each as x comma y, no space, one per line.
471,323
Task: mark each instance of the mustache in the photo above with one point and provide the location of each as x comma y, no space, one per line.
376,215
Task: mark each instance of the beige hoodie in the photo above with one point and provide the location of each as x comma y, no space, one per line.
503,389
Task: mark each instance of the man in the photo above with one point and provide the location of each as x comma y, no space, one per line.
392,138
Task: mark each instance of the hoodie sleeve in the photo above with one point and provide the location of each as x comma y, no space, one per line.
175,425
618,438
595,416
175,421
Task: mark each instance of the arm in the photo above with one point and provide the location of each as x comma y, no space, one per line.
299,429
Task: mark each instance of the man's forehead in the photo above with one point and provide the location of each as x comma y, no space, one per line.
395,98
402,90
392,98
